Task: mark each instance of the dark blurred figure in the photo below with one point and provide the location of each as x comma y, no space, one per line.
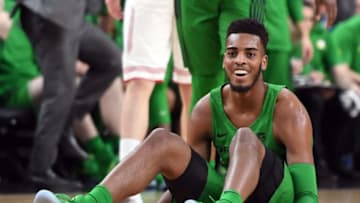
59,36
345,10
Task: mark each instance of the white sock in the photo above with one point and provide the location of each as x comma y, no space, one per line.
126,147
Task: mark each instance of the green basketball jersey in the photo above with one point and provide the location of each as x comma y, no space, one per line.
223,129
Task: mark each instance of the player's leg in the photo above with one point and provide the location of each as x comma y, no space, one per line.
162,152
255,174
201,41
101,157
181,76
111,106
278,69
102,56
159,112
147,29
35,89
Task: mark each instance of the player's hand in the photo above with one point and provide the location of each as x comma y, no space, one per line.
297,66
114,8
317,77
307,50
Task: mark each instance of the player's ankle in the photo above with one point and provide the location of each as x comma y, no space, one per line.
230,196
101,194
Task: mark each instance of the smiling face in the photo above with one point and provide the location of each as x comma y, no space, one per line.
244,61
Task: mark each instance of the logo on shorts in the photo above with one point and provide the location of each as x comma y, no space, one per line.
261,136
220,135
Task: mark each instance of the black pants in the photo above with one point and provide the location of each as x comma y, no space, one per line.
339,132
314,103
57,50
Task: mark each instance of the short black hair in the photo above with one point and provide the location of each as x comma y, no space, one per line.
249,26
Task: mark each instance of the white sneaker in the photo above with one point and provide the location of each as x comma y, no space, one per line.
45,196
191,201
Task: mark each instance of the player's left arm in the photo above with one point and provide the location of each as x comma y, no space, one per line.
292,127
295,8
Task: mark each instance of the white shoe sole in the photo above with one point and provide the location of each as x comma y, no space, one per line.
45,196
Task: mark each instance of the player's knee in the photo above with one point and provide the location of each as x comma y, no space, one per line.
245,138
161,139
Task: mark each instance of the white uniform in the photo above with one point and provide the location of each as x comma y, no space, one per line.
150,36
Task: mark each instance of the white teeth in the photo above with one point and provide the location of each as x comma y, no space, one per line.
241,72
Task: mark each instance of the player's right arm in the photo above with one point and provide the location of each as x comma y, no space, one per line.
199,137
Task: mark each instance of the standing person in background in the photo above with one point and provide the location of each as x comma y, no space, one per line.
276,22
59,36
204,26
150,35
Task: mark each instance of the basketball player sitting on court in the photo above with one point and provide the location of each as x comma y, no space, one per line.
262,134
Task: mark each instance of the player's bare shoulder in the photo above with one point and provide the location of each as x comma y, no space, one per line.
290,116
202,110
201,117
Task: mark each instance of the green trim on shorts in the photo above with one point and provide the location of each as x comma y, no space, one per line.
159,113
214,186
285,192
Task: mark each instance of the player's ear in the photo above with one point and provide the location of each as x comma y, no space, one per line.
264,62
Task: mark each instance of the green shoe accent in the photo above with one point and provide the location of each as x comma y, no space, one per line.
90,167
63,197
106,165
76,199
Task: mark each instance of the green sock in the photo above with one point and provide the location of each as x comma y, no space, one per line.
101,152
230,196
94,144
100,194
113,140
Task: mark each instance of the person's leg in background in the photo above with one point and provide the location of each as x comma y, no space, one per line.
85,129
199,21
56,54
159,110
181,74
278,68
204,26
103,57
110,111
147,32
110,106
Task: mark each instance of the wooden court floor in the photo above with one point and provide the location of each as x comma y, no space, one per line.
326,196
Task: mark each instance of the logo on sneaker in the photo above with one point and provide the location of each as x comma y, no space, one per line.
220,135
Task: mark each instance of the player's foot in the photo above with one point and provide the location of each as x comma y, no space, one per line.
191,201
46,196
